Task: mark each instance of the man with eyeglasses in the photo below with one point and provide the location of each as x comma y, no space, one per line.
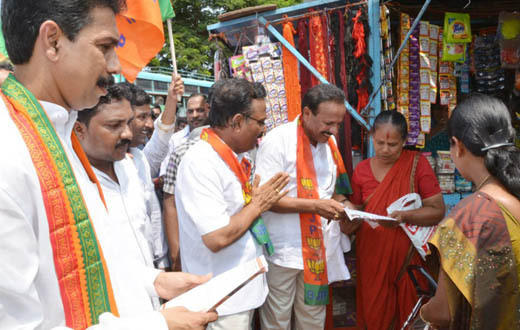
219,204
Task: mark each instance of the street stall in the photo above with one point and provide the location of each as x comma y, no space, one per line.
418,58
458,48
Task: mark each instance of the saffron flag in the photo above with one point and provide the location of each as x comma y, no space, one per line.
141,35
166,9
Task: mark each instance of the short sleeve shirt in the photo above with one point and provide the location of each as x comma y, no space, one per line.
207,194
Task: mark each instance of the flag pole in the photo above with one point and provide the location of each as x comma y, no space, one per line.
172,50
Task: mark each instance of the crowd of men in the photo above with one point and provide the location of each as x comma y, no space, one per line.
83,237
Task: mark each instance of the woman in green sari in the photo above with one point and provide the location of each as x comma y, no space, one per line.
479,241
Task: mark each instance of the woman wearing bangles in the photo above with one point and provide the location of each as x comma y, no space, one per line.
479,241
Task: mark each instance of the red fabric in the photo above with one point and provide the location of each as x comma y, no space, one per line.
364,183
358,34
332,52
342,50
292,83
326,50
381,252
317,43
347,157
303,48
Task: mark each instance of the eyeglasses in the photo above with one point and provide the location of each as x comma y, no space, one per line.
260,123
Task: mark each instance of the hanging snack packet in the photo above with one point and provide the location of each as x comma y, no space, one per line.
457,27
454,52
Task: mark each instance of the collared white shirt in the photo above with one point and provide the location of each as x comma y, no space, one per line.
207,194
29,291
277,153
176,140
155,229
126,206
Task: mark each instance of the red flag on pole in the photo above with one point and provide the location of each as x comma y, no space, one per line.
141,36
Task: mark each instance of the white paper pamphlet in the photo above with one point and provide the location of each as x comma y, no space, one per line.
210,295
355,214
419,235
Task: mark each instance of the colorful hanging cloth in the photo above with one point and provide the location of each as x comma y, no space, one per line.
292,83
317,47
303,48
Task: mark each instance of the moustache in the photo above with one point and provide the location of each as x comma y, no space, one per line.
105,82
123,143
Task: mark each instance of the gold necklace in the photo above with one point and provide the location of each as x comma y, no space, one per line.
482,183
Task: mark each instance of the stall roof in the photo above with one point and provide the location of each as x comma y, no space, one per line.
244,27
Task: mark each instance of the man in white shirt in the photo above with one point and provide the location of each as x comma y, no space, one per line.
218,209
105,134
197,110
323,111
149,159
64,54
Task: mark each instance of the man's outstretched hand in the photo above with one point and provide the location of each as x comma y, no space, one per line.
179,318
169,285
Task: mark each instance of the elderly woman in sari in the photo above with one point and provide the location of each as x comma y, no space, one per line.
479,241
385,294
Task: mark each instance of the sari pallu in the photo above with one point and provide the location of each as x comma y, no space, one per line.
479,249
384,297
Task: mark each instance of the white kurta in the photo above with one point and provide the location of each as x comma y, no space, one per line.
176,140
29,291
277,153
207,194
155,229
128,217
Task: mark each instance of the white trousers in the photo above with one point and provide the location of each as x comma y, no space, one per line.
286,293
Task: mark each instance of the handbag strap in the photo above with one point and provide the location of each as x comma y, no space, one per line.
412,174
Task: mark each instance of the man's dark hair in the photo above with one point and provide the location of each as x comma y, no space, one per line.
155,105
115,93
21,21
230,97
322,93
138,95
204,97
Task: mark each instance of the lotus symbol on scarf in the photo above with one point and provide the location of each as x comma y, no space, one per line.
316,267
307,183
314,243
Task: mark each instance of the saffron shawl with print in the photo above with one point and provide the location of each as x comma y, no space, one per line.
83,278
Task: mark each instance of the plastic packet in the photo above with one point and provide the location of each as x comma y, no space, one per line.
418,235
457,27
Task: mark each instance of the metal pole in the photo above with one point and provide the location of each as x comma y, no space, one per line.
374,50
302,60
396,56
